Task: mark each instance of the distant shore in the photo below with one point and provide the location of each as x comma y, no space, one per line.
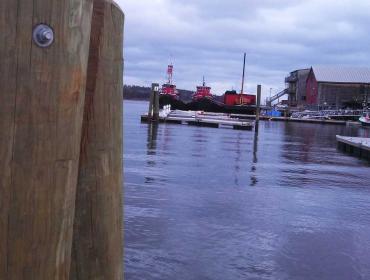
142,93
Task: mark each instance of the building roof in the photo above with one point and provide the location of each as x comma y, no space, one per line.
302,70
338,74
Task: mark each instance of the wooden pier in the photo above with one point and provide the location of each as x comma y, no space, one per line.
215,120
355,145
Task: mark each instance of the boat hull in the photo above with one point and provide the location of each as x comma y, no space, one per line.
206,105
365,122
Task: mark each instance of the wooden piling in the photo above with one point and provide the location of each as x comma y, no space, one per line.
156,103
98,226
153,112
42,92
258,109
151,103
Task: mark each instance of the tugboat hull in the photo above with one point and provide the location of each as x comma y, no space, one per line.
206,105
176,104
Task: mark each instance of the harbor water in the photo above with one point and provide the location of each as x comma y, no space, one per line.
220,204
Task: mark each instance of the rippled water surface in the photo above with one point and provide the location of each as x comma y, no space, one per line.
206,203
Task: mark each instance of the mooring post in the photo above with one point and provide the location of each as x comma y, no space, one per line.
156,103
98,227
44,48
151,104
258,108
153,113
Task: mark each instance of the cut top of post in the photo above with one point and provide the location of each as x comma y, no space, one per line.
155,87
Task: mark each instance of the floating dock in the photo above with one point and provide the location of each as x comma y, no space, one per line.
288,119
355,145
215,120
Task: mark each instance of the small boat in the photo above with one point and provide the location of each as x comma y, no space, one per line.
365,119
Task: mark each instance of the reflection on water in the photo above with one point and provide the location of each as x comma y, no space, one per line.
151,150
254,180
205,203
152,138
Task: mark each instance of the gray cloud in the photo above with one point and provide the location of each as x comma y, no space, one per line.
206,37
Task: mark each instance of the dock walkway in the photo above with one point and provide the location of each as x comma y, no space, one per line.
288,119
202,119
355,145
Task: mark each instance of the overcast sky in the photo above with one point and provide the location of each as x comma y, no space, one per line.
208,37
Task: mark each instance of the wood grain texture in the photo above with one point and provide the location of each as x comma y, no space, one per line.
98,236
42,93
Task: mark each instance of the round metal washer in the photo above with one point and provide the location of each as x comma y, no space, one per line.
43,35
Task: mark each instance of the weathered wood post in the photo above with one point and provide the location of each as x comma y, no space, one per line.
98,228
156,103
153,112
151,103
42,92
258,109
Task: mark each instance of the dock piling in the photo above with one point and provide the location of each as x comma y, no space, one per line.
46,122
153,112
156,103
97,237
258,108
42,92
151,103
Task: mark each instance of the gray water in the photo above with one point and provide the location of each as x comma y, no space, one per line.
207,203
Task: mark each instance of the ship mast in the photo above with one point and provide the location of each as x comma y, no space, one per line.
170,73
242,90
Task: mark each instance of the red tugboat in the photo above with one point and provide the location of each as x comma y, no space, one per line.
202,92
169,89
203,100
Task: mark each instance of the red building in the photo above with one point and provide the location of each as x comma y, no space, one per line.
233,98
312,89
338,87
